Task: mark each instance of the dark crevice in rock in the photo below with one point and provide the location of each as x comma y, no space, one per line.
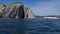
21,12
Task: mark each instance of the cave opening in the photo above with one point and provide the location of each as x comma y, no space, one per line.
21,13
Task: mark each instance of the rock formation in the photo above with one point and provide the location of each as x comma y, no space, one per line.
2,6
17,10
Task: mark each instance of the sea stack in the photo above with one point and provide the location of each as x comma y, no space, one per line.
17,10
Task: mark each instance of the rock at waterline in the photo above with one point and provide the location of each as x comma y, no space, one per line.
17,10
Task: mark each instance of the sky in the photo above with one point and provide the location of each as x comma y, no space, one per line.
39,7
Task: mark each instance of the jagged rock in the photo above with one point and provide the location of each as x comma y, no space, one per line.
2,6
17,10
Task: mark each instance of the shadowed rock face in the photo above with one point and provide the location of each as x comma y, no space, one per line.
16,10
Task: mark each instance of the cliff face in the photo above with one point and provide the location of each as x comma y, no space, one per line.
2,6
17,10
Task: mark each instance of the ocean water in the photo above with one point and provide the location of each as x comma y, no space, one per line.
29,26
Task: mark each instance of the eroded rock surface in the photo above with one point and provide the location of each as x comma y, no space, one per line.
16,10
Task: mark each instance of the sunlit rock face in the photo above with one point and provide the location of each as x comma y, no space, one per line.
17,10
2,6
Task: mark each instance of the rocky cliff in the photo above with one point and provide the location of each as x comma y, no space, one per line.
17,10
2,6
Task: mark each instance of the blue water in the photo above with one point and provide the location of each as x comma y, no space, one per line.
29,26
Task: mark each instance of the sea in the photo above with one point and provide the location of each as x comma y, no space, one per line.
29,26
